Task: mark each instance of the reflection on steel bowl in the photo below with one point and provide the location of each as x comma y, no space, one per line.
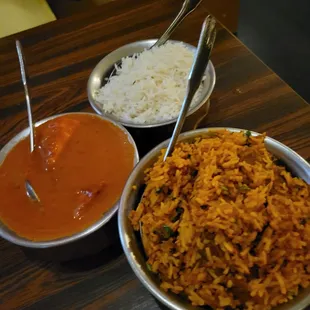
78,168
172,88
223,224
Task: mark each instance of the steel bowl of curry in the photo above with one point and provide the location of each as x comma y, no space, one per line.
78,169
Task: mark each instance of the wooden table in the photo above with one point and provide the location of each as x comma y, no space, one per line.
60,57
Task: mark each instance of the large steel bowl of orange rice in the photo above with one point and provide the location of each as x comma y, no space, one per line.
223,223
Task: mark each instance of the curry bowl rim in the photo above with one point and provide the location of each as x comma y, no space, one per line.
10,235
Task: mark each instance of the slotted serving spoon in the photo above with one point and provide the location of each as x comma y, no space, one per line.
201,60
188,7
31,193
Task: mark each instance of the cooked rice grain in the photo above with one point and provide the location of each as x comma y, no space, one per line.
150,88
225,225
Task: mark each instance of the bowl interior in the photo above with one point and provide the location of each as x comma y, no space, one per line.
11,236
103,69
131,241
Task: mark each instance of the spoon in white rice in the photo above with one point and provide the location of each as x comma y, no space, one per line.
188,7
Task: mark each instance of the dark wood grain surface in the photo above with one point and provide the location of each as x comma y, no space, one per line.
60,57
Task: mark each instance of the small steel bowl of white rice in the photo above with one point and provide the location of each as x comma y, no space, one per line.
149,85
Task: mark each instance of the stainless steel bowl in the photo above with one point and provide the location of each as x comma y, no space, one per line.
103,69
67,247
132,245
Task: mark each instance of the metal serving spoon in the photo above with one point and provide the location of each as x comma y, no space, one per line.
188,7
201,60
29,189
202,56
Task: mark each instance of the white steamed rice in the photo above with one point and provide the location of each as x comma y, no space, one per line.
150,88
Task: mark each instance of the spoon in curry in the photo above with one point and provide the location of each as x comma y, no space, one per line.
201,60
29,189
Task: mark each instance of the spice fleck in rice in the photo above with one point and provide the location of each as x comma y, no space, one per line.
225,225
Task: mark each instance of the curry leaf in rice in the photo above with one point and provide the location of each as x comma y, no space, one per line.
168,232
164,232
225,190
244,188
178,214
248,133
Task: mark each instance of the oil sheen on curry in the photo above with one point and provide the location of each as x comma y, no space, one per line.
78,169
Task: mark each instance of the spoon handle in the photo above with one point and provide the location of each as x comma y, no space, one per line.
24,75
187,7
205,45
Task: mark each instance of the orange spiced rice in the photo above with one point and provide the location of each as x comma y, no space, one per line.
224,225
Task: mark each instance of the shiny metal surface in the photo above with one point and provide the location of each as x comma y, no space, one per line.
31,193
188,7
23,71
102,71
129,200
11,236
202,56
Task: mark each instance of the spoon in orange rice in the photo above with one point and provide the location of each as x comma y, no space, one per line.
201,60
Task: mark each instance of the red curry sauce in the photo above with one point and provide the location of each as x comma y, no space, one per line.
78,169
